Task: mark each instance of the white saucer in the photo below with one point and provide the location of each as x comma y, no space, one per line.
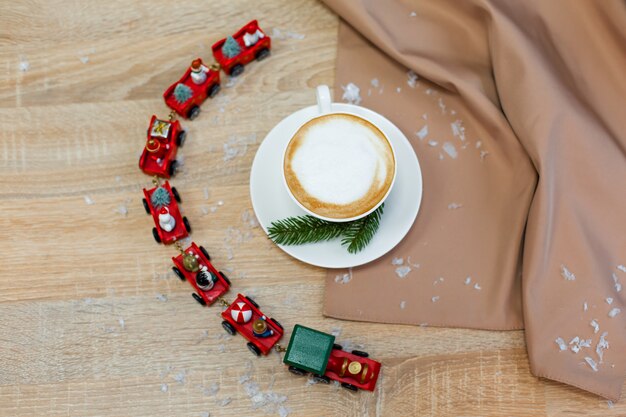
271,201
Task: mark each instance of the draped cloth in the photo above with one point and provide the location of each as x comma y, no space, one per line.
516,111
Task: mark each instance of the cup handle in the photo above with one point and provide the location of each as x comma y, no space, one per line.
323,99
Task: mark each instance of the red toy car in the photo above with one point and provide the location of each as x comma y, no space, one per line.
194,266
310,350
161,202
159,154
259,50
244,316
198,83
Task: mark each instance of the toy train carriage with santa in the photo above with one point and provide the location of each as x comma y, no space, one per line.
159,154
248,44
243,316
162,203
313,351
198,83
193,265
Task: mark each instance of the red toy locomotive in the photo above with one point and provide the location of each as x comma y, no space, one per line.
162,202
193,264
159,154
198,83
249,43
243,316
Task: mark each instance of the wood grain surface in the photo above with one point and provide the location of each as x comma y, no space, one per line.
92,321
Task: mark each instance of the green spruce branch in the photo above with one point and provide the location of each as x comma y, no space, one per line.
308,229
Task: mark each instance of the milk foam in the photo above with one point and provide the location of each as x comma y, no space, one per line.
338,161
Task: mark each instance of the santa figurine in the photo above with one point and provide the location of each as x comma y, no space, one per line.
166,221
205,279
252,36
198,71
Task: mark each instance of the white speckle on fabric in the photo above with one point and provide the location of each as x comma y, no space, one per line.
567,274
351,93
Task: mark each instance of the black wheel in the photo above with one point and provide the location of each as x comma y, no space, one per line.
337,347
145,205
199,299
262,54
252,302
236,70
155,233
349,386
186,224
193,112
229,328
225,277
213,90
360,353
254,349
321,378
180,139
176,195
205,253
172,170
178,273
297,371
277,323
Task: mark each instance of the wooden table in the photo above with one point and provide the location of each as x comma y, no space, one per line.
93,322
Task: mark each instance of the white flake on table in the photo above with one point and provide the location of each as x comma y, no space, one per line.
425,116
422,133
433,143
336,331
442,105
559,341
454,206
402,305
483,155
123,210
24,64
621,268
468,280
344,278
438,281
181,377
122,323
609,300
412,78
164,387
225,401
591,363
618,285
89,201
585,306
567,274
84,59
412,14
398,90
161,297
458,130
602,345
435,299
595,325
614,312
351,93
403,271
477,287
286,34
450,150
236,146
375,83
479,144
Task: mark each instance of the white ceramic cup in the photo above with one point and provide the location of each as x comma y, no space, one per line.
324,106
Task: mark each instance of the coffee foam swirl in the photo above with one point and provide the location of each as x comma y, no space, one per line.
339,165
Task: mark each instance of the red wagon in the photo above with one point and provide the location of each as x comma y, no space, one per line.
194,265
165,214
159,154
185,96
243,316
260,50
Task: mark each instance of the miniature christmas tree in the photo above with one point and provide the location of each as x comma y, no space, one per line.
182,93
231,48
160,197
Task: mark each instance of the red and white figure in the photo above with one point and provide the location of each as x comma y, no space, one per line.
252,35
241,312
166,221
198,72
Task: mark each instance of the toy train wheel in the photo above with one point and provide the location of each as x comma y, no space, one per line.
360,353
172,169
262,54
321,378
254,349
252,302
297,371
225,278
186,223
236,70
193,112
229,328
337,347
176,195
349,386
199,299
145,205
155,234
180,139
178,273
277,323
213,90
205,253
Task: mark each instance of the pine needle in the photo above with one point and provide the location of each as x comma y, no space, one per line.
308,229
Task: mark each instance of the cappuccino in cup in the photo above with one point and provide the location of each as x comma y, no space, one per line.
339,166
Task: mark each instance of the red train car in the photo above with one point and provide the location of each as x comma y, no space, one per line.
187,95
162,203
159,154
194,265
243,316
259,50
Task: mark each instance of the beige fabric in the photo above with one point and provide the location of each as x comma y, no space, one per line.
539,88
